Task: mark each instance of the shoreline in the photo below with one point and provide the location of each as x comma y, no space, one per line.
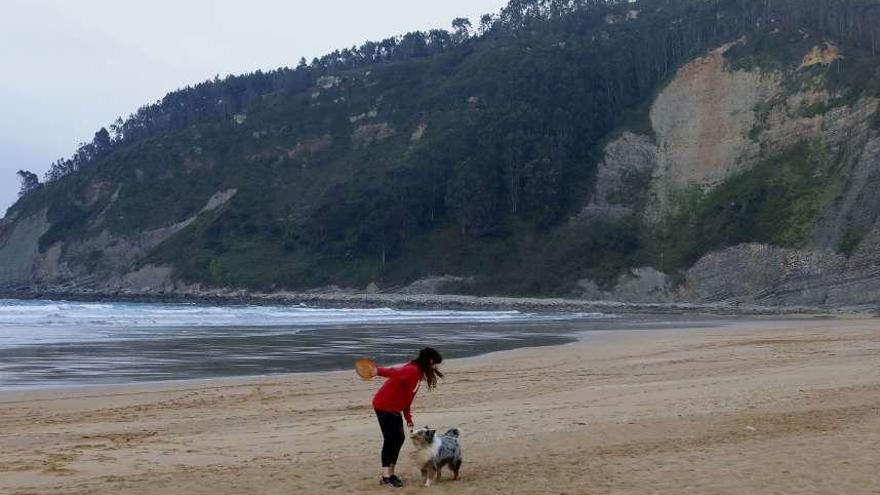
423,301
567,332
184,384
161,386
576,338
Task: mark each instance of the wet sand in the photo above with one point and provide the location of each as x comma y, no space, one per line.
754,407
226,352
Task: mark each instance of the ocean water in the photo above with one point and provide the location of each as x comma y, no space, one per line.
60,343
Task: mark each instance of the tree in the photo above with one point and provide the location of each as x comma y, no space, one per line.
439,39
116,129
541,191
413,45
29,182
486,23
471,195
462,27
102,142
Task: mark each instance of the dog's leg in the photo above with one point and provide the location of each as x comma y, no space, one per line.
439,473
431,473
425,475
456,467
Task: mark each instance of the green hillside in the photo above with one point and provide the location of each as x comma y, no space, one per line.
465,153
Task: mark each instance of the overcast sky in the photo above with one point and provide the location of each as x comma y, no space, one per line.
68,67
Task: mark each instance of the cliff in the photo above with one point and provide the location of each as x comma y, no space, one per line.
723,132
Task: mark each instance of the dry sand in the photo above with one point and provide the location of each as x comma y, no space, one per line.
775,407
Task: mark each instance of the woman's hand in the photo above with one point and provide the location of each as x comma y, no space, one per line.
410,426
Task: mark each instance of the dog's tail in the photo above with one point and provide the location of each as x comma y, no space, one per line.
453,432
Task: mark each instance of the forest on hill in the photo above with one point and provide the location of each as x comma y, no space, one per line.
470,152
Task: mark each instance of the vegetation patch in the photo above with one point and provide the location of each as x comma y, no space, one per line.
855,75
552,263
814,109
762,114
776,202
772,48
851,240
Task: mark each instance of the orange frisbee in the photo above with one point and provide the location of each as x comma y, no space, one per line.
365,368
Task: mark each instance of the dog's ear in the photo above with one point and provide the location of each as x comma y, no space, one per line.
429,435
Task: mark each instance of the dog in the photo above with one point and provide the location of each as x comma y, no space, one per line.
433,452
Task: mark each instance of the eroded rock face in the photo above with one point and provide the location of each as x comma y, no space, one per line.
419,132
432,285
311,146
861,281
702,121
371,133
854,214
711,122
219,199
623,177
102,260
840,128
149,278
642,285
758,273
19,249
823,54
817,274
767,275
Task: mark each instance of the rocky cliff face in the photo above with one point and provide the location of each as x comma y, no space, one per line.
624,177
702,121
769,275
19,249
712,122
102,260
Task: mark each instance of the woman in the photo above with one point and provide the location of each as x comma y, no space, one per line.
395,397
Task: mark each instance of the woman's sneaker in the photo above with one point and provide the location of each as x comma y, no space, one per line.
392,481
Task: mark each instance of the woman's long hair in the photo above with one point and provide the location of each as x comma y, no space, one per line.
427,361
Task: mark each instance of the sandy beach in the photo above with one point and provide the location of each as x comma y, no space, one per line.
771,406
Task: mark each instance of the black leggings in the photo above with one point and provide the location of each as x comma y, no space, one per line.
392,431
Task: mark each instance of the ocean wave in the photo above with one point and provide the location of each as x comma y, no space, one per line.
41,313
40,322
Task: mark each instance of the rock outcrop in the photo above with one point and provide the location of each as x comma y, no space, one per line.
702,121
623,177
643,284
767,275
20,257
102,260
433,285
712,122
764,274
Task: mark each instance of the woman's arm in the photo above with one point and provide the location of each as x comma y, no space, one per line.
414,378
390,372
407,415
